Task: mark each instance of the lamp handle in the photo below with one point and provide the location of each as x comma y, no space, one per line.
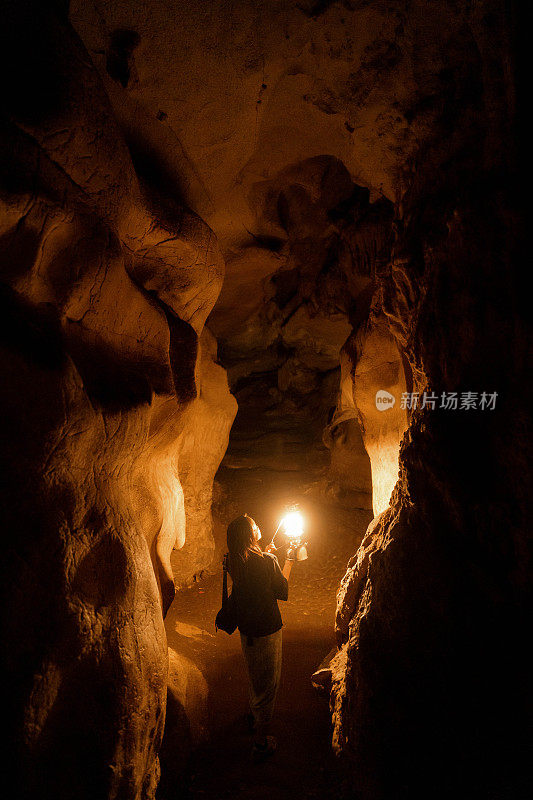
277,531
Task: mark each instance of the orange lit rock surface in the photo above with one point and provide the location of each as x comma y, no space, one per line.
106,284
354,164
374,375
283,355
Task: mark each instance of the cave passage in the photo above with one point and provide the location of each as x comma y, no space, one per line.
303,765
275,458
255,254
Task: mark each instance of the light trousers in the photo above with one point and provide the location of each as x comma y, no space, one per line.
263,663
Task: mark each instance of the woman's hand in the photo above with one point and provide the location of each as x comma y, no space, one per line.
286,571
297,552
291,553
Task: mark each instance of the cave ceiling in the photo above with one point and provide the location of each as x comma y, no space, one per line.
262,117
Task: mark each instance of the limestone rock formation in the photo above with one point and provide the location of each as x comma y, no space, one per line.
106,285
202,445
431,679
354,164
373,389
283,356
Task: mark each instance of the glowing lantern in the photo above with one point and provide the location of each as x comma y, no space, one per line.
293,526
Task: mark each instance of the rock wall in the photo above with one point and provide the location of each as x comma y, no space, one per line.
356,161
430,691
289,127
106,283
370,415
201,448
307,287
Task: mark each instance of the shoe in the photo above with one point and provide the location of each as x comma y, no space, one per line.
260,752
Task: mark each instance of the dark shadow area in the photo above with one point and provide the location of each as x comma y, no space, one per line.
303,766
119,60
33,331
174,751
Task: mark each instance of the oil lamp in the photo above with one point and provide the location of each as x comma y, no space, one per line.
293,525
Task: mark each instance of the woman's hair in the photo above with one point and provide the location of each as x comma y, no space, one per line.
241,542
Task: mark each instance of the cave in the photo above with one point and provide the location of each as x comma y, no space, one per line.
259,255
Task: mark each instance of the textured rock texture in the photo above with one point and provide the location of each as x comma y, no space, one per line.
432,678
107,380
269,118
283,357
356,162
201,447
373,384
227,95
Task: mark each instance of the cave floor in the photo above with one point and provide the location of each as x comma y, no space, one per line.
303,766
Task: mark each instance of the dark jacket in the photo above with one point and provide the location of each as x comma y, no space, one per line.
256,593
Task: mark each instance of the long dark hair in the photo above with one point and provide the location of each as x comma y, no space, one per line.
241,538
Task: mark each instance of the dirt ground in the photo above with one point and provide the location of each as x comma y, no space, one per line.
303,766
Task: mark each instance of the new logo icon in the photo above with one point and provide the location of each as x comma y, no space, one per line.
384,400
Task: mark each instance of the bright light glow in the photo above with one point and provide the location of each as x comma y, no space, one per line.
293,525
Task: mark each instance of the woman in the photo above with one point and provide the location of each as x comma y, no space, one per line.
258,584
